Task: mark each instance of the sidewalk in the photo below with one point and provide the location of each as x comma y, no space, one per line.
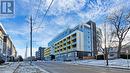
25,67
20,67
9,68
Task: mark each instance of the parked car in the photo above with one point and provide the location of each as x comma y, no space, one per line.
1,59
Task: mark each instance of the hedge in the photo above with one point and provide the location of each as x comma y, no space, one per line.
100,57
124,56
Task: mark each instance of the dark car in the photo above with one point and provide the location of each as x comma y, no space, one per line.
1,59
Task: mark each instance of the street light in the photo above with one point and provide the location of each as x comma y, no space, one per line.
106,50
127,52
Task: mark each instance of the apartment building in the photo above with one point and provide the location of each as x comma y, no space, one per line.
1,40
37,55
40,53
7,48
47,53
76,43
14,52
2,35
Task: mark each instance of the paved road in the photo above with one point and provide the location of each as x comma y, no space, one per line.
59,67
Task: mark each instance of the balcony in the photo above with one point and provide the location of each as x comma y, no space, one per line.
68,42
73,35
68,45
74,46
64,48
64,42
68,38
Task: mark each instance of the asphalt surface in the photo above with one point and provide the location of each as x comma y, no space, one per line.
59,67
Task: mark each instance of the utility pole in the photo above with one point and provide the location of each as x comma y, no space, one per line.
30,40
106,51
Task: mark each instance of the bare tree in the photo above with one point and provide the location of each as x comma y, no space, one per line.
121,22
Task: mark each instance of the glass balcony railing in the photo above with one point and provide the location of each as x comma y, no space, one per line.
64,41
73,38
74,43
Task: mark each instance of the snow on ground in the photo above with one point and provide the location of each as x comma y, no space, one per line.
27,68
118,63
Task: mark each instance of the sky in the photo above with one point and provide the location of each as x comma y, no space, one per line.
61,15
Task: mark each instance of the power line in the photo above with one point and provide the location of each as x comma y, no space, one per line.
39,26
45,14
37,10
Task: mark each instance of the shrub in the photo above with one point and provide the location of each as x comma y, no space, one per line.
124,56
100,57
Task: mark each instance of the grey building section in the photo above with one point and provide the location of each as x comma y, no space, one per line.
93,35
40,53
37,54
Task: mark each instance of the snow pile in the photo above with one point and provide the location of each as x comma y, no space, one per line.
120,63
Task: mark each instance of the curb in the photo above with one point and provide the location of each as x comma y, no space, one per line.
99,66
107,67
16,68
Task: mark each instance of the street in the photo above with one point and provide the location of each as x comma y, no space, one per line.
59,67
